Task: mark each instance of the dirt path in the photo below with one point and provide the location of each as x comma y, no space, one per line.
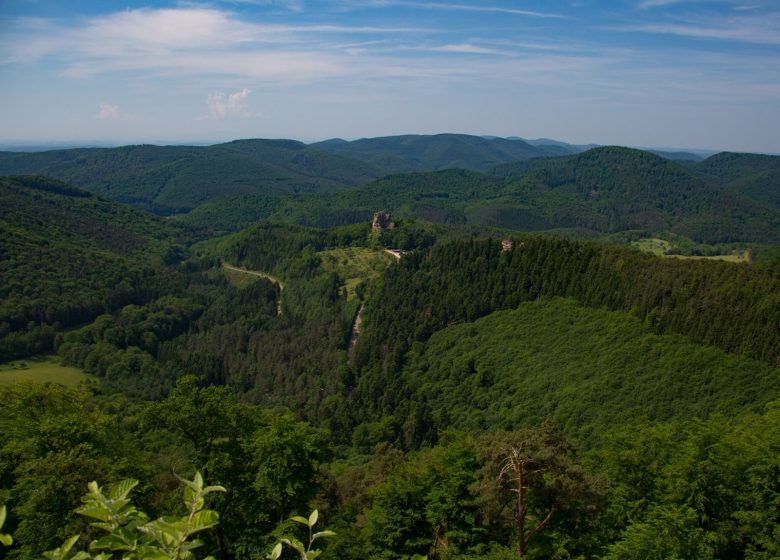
265,275
356,328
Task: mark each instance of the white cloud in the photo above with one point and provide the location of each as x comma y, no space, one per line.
230,105
108,112
657,3
453,7
467,48
175,40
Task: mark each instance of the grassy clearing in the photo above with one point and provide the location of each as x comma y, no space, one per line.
355,264
43,369
653,245
660,247
741,257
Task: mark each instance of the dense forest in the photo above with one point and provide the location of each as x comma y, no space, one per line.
457,384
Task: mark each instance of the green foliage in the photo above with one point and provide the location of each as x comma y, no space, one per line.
267,461
5,539
131,535
305,552
698,489
425,505
55,440
531,481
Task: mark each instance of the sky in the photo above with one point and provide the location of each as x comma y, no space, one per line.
656,73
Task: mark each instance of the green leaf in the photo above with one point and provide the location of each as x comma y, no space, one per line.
313,518
121,489
204,519
111,542
296,544
2,516
301,520
95,511
312,554
7,540
62,552
323,534
276,552
152,553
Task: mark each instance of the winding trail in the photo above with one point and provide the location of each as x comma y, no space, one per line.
395,252
359,317
355,328
259,274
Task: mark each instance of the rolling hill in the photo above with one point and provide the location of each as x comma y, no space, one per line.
603,190
408,153
67,255
171,179
754,175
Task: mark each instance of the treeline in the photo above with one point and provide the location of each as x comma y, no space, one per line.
683,489
732,307
690,489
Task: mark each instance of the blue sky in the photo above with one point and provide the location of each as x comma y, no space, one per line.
695,73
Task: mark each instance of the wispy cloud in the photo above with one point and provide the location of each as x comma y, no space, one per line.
645,4
459,7
763,29
291,5
467,48
147,33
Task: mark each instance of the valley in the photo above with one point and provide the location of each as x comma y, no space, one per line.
230,310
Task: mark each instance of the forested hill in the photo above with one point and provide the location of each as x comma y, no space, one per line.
733,307
603,190
168,179
407,153
755,175
67,255
588,369
614,189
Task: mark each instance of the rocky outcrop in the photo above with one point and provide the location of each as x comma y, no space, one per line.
382,221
